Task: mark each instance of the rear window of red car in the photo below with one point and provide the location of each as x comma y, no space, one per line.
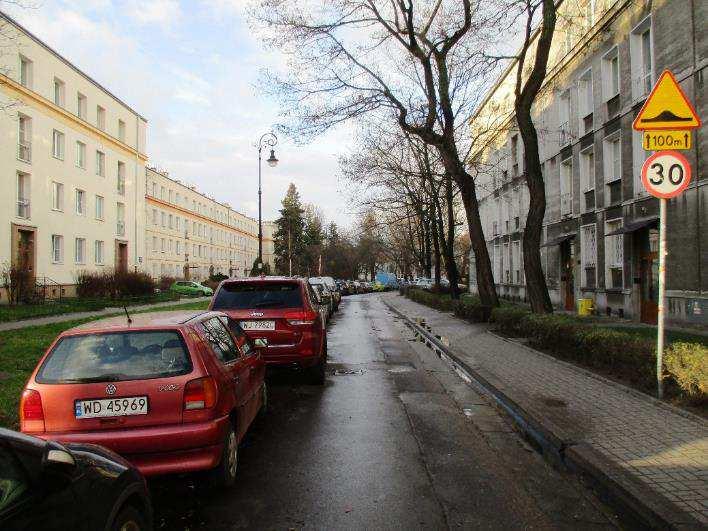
114,357
247,295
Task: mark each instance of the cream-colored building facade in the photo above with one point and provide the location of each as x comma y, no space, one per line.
188,234
71,157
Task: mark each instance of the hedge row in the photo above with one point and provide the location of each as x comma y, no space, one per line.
616,353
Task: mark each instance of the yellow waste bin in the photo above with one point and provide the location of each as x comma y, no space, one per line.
585,306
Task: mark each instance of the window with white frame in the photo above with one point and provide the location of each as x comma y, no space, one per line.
154,216
612,157
98,252
566,187
588,255
585,102
610,74
170,222
100,118
26,72
154,244
614,254
178,247
641,57
59,92
99,207
587,178
564,118
57,196
121,130
81,105
24,138
121,179
514,152
80,202
639,155
162,245
57,144
100,163
80,250
506,278
23,195
516,261
80,155
177,223
120,219
57,248
163,217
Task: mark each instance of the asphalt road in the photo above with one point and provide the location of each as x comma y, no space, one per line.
393,440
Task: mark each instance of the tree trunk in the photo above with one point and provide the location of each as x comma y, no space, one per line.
436,243
450,264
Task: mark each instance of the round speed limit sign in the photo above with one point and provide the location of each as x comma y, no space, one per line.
666,174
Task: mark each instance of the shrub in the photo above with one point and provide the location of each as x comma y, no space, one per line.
472,309
508,318
440,302
165,282
687,365
134,284
113,285
18,282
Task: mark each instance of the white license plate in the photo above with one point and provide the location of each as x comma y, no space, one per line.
258,325
111,407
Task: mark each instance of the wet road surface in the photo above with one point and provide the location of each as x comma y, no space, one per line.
393,440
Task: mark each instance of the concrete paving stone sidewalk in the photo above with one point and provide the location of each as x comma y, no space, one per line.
51,319
654,444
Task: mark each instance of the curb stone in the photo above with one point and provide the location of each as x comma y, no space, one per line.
613,483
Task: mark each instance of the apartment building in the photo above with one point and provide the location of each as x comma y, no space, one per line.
71,156
601,227
191,235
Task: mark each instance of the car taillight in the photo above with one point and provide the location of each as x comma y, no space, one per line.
301,318
31,411
200,393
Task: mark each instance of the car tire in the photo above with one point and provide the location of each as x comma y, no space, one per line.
130,519
318,372
224,475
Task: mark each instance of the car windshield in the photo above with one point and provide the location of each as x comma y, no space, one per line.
245,295
114,357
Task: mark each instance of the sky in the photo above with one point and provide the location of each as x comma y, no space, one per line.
192,68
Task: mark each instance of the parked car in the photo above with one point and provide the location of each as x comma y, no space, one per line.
44,485
325,293
378,286
191,289
323,301
172,392
282,312
334,290
424,283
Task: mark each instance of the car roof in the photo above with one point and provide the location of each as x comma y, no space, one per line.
261,279
167,320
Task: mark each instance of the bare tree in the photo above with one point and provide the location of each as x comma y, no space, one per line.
420,61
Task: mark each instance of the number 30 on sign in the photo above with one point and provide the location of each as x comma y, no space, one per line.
666,174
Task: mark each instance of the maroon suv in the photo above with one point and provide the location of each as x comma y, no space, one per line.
282,315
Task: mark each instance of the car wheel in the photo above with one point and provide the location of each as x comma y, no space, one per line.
224,475
129,519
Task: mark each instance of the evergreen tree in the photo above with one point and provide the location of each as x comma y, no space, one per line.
289,235
313,240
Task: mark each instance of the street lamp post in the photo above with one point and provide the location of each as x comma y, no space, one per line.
268,140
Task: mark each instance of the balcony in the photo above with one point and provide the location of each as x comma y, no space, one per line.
24,151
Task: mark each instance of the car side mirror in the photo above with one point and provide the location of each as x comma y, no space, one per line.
57,458
260,342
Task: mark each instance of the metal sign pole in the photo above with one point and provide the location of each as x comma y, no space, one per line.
662,302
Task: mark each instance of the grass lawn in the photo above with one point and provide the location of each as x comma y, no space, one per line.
20,350
29,311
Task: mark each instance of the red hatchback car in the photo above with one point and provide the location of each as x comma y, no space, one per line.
283,314
172,392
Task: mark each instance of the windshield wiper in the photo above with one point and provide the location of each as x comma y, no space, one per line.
113,377
267,303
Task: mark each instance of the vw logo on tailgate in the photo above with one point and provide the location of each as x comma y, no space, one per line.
110,389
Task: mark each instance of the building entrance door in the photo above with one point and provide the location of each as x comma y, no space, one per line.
649,280
567,274
121,257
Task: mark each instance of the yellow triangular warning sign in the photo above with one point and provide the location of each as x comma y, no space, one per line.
667,107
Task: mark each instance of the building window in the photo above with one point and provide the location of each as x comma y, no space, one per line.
57,144
585,102
612,157
154,244
162,245
121,130
564,119
177,223
98,252
610,74
640,47
99,207
100,164
80,202
170,223
23,195
121,179
154,189
566,187
514,155
57,249
100,118
587,178
59,92
79,250
57,196
154,216
26,72
81,105
516,261
588,255
639,155
24,138
80,155
178,247
163,217
614,255
120,219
